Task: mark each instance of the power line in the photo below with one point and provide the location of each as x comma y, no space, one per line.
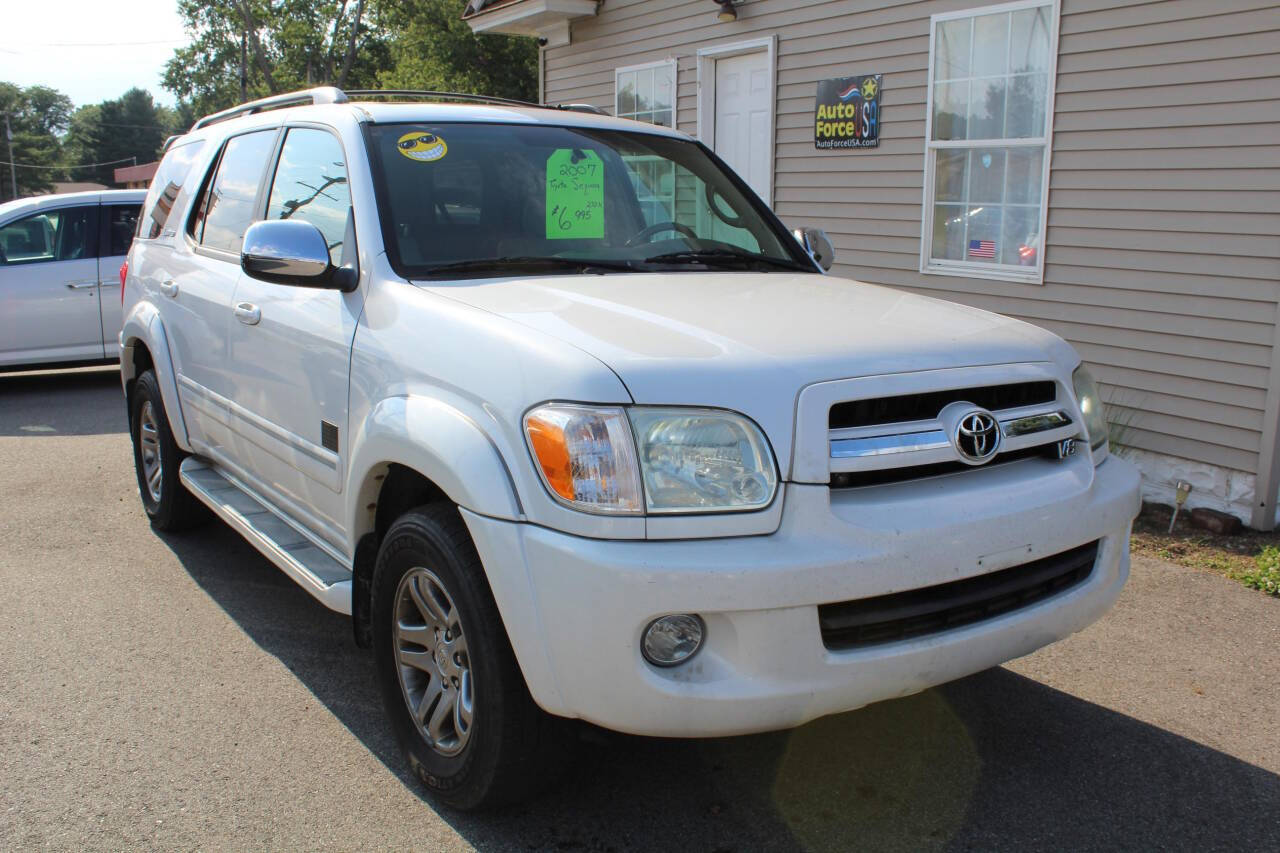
134,160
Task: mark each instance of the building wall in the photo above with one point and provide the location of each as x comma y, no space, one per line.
1162,261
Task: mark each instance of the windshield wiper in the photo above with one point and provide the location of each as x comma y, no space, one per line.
532,264
726,259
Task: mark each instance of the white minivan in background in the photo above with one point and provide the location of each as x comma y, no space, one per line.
60,258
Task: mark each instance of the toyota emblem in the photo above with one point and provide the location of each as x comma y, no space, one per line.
977,436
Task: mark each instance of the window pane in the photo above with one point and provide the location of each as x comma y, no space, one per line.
122,220
1028,97
1020,243
949,182
30,240
951,49
986,175
950,110
948,232
983,243
1024,175
626,93
166,185
986,111
235,188
1029,45
991,45
663,88
644,90
662,117
311,185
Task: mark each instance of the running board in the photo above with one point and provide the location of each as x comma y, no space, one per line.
279,541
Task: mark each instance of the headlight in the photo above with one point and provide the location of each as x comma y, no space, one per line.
1095,420
702,460
689,460
586,456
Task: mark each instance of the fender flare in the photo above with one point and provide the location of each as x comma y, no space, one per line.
144,325
441,443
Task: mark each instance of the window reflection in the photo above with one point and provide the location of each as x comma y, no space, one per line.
310,185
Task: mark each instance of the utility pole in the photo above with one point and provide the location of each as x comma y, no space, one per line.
244,69
13,170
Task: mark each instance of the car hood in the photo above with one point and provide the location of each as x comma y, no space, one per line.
750,341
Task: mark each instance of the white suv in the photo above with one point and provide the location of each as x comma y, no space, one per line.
572,426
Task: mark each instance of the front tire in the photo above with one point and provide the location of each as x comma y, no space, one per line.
156,457
452,689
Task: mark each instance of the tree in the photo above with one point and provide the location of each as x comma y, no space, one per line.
37,114
131,126
250,48
433,48
244,49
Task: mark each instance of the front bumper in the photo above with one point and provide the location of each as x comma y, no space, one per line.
575,608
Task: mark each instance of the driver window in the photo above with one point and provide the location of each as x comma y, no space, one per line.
310,184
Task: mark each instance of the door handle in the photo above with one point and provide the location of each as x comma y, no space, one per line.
248,313
169,288
81,285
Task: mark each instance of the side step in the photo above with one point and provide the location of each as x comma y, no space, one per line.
280,542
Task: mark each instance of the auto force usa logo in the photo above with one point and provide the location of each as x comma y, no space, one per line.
977,436
848,112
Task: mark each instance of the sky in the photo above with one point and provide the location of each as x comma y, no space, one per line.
90,50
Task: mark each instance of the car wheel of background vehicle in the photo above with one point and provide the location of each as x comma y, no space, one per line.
156,458
452,688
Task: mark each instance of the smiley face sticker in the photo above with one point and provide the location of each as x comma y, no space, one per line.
422,146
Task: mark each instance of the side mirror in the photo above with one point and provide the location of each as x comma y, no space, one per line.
816,242
289,252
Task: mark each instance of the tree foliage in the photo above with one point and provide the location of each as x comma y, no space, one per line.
270,46
37,114
131,126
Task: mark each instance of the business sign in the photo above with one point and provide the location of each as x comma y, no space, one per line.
848,112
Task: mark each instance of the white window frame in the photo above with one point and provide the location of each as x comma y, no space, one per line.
669,62
707,57
969,269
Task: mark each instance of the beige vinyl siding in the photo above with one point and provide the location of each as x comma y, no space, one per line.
1162,248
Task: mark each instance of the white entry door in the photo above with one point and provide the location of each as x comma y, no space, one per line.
744,106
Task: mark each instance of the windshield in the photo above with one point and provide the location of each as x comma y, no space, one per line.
469,199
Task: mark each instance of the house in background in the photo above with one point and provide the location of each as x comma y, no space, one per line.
1108,170
136,177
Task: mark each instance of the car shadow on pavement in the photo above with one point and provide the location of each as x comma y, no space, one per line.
994,761
85,401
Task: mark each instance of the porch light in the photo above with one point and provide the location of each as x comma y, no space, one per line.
727,12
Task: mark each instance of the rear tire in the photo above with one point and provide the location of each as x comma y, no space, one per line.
452,689
156,458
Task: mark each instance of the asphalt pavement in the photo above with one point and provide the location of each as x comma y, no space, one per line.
179,692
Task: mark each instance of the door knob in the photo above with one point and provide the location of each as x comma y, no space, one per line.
248,313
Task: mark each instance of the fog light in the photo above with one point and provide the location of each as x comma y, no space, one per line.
670,640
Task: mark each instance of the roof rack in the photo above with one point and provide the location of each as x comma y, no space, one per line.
443,96
318,95
333,95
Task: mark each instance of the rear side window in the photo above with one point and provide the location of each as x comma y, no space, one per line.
121,221
229,203
66,234
165,187
310,184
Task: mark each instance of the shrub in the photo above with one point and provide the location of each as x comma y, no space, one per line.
1267,575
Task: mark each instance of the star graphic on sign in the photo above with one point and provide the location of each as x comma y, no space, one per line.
869,88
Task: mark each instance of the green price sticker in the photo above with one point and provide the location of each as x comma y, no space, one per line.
575,195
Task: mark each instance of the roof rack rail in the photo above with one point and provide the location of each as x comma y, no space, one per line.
443,96
318,95
580,108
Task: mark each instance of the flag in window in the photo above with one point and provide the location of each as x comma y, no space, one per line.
982,249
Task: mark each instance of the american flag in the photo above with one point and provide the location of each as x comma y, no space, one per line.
982,249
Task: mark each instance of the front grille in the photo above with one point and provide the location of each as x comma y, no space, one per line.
923,407
885,476
934,609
